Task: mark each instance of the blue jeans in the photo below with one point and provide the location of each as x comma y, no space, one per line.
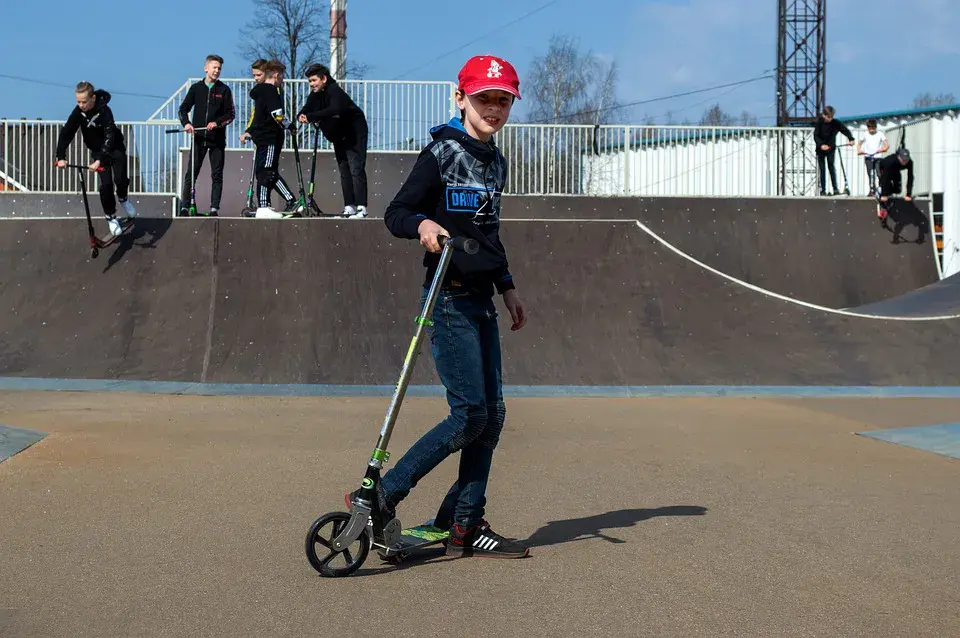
465,341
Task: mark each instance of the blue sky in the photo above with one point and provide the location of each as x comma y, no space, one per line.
880,54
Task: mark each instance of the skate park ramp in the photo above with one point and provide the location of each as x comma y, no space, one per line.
385,174
829,252
615,288
938,299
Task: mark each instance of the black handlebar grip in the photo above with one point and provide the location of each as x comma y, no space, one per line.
469,246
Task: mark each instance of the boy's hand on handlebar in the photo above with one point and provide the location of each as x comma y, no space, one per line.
429,233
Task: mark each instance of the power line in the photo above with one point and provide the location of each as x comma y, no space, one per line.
486,35
766,76
69,86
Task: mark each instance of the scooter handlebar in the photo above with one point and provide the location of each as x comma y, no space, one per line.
100,169
467,245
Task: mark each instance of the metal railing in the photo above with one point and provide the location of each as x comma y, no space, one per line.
29,149
543,159
645,160
398,113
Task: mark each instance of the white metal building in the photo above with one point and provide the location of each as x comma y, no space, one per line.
933,137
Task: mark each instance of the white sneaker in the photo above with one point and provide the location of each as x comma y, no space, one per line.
115,228
268,213
349,211
360,214
128,208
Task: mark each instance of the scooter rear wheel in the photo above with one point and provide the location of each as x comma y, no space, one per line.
319,546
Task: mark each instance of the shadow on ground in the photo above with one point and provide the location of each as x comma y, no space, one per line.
577,529
553,533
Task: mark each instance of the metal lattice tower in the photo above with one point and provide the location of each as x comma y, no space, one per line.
801,87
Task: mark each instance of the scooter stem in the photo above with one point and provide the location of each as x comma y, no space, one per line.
380,454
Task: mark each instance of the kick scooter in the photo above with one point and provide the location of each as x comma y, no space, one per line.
193,162
843,169
251,208
96,243
346,537
311,203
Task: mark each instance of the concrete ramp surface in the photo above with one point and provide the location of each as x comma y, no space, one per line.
612,302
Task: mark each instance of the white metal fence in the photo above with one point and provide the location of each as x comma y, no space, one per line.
399,114
28,150
544,159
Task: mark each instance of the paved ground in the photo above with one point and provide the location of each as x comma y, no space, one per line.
153,515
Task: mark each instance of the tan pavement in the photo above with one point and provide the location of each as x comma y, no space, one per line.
186,516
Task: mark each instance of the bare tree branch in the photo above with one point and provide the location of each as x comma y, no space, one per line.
568,86
929,99
296,32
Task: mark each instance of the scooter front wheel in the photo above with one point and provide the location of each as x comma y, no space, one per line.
319,546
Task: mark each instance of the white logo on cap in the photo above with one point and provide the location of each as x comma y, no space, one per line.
494,70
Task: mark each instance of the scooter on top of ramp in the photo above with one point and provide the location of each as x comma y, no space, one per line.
98,242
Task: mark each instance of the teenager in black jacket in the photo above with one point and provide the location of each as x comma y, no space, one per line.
891,181
213,110
268,129
825,136
343,123
103,138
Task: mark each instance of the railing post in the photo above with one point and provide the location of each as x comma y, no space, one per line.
626,161
6,163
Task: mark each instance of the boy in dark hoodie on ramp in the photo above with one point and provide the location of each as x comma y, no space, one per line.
94,119
268,130
454,190
343,123
213,111
825,131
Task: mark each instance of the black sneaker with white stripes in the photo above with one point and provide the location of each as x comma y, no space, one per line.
482,542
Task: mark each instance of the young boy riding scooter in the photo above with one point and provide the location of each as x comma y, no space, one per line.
454,190
103,138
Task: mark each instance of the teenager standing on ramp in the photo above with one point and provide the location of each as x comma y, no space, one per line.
268,131
213,110
343,123
825,133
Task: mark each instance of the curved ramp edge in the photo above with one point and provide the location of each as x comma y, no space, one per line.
857,313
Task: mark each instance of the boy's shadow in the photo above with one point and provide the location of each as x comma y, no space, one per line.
900,214
554,533
156,228
574,529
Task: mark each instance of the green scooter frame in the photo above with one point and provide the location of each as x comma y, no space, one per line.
351,534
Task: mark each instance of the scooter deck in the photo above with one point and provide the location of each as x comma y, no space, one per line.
109,238
414,538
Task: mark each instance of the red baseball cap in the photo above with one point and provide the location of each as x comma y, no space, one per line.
487,72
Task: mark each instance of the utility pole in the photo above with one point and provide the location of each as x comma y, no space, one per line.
338,39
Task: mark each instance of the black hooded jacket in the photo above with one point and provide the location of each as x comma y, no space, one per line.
825,132
269,121
332,110
457,182
99,130
209,104
890,170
